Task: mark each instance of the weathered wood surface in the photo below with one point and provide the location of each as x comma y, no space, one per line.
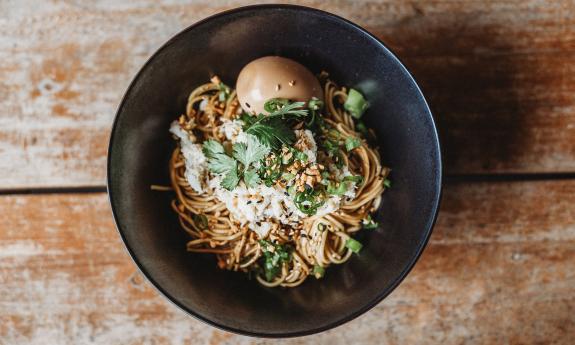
500,76
498,270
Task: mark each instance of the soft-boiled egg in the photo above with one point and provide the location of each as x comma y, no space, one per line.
275,77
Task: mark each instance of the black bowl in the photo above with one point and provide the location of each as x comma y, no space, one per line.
140,148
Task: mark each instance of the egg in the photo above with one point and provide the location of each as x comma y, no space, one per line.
275,77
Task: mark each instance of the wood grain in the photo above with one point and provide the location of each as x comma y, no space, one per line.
498,270
499,75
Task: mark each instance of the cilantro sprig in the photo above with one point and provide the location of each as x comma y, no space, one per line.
250,152
237,166
273,129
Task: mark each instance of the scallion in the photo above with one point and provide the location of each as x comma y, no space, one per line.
275,104
315,104
224,92
352,143
355,103
287,176
361,128
357,179
318,271
387,183
301,156
339,190
369,223
353,245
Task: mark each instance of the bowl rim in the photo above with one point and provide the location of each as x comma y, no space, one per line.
340,320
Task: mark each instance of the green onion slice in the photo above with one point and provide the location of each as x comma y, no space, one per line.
357,179
301,156
318,271
355,103
352,143
353,245
315,104
287,176
339,190
275,104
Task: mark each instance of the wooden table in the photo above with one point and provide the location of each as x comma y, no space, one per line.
500,267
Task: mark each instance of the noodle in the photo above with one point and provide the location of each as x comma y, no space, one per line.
317,240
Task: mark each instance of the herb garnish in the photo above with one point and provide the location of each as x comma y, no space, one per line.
231,179
250,152
238,166
275,104
355,103
369,223
357,179
211,148
352,143
315,120
362,128
251,178
272,130
318,271
274,255
224,90
271,170
353,245
309,200
387,183
337,189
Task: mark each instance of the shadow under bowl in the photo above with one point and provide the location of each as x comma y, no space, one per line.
140,148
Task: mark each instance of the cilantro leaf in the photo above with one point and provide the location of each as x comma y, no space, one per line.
272,133
239,152
251,152
352,143
251,178
221,163
211,148
272,130
231,179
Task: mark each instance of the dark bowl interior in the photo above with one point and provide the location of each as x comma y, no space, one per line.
141,145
